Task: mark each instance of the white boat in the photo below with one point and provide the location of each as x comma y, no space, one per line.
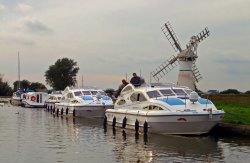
16,98
34,99
164,109
84,102
54,97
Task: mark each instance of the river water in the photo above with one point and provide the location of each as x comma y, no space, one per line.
36,136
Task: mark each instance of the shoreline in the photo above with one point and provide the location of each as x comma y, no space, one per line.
231,129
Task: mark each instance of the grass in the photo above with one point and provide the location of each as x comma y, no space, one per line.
237,108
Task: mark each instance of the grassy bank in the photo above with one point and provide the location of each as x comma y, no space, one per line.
237,107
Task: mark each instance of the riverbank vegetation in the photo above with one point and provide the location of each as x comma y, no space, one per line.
237,107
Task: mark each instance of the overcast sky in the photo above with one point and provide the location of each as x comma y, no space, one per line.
111,38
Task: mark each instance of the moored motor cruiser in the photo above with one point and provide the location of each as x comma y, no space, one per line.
163,109
34,99
84,102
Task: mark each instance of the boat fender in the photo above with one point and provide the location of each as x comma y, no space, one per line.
57,111
62,111
104,121
136,126
54,109
145,127
51,107
45,106
114,122
124,122
67,111
74,113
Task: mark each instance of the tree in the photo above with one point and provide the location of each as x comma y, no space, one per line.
5,89
110,92
230,91
36,86
62,74
24,84
247,92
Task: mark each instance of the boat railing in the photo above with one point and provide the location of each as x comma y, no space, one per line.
158,85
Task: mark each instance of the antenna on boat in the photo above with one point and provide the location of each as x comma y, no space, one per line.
19,82
82,81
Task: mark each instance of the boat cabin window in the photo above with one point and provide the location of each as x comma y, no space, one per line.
167,92
153,94
137,97
179,92
59,98
102,93
75,101
86,93
121,102
78,93
127,88
188,91
69,95
152,107
93,92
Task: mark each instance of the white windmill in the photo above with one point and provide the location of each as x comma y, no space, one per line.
189,75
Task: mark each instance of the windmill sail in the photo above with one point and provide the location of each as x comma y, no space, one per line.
169,33
196,73
164,68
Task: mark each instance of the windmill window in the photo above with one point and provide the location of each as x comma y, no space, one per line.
153,94
167,92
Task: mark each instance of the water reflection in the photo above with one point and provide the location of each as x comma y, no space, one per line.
39,136
133,147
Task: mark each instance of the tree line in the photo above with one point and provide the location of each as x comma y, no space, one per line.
60,75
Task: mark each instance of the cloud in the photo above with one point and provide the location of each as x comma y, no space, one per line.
33,25
2,7
24,7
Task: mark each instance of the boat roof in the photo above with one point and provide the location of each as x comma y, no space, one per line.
157,86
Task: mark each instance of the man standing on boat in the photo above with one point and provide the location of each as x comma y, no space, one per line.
135,80
124,83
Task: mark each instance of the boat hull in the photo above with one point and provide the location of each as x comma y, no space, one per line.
186,124
16,102
32,105
87,111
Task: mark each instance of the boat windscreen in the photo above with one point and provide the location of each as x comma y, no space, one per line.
153,94
179,92
102,93
93,92
86,92
167,92
188,91
78,93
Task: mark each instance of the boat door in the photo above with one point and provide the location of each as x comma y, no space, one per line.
39,98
